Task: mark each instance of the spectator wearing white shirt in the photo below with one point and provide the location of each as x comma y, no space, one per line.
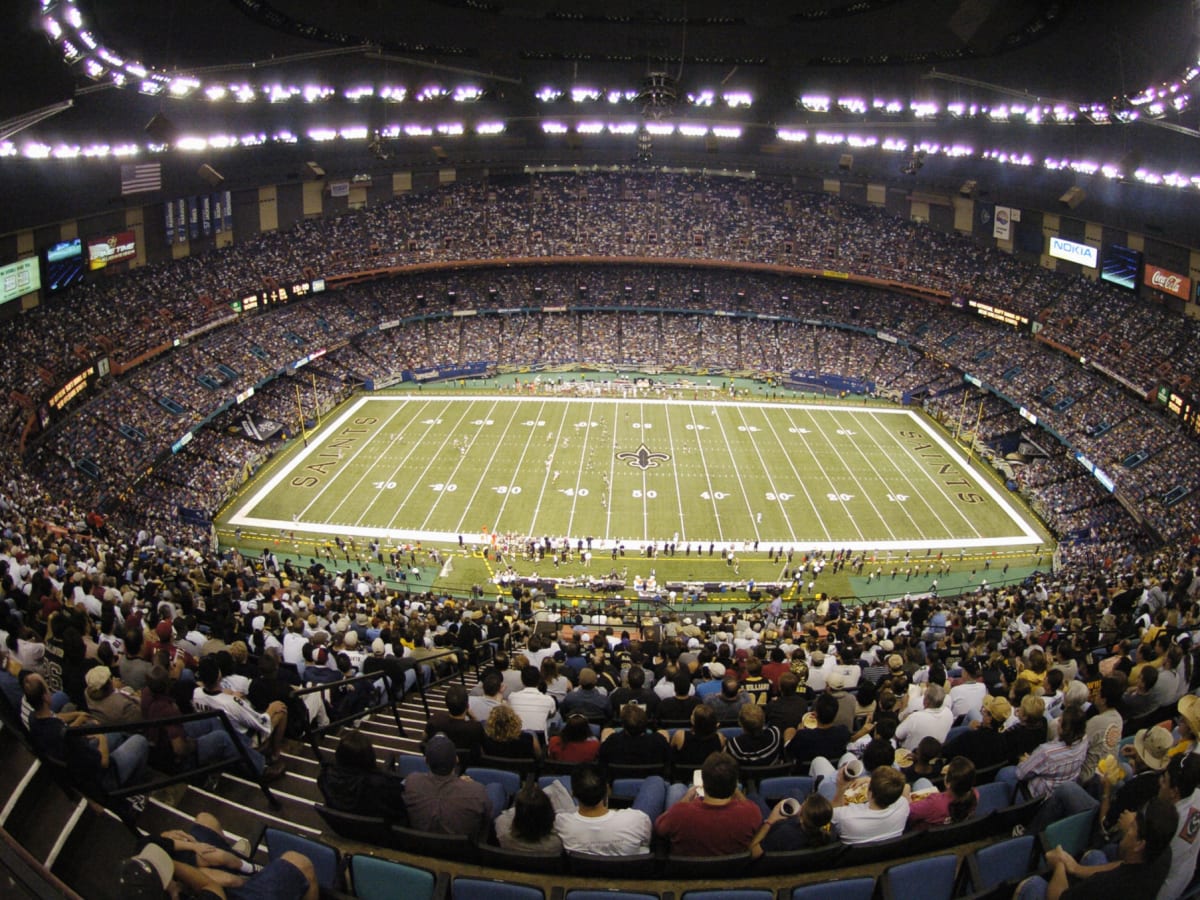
934,720
966,698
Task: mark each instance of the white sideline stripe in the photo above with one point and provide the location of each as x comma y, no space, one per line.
1027,537
20,789
984,484
254,812
65,834
915,490
919,490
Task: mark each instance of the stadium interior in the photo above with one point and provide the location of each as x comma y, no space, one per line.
225,223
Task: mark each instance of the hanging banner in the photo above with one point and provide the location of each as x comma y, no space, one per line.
193,207
169,207
1002,224
228,208
181,220
218,222
206,215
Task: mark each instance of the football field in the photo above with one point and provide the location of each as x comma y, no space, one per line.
424,467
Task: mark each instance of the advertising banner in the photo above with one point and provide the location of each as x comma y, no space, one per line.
1168,282
110,248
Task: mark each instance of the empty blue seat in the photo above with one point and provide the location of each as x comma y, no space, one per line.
931,878
487,889
843,889
382,879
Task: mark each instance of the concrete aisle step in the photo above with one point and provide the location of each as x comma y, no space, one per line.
40,814
89,857
240,819
15,762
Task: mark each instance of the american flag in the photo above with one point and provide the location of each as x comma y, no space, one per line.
140,178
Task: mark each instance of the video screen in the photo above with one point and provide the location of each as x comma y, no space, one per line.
111,248
1122,267
63,265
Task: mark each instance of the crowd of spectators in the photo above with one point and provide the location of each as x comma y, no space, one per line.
614,315
894,704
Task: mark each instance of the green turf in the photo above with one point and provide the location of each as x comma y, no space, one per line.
432,467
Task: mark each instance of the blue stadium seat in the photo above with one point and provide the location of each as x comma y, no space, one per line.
931,878
382,879
842,889
326,860
487,889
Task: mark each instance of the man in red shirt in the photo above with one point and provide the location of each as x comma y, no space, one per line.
718,822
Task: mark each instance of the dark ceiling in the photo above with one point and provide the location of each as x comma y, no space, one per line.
1069,50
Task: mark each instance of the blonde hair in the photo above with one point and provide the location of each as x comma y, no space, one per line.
503,724
1032,707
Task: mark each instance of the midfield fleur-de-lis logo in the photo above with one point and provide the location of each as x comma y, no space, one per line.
643,457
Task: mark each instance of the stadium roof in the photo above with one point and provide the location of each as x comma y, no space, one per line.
1022,97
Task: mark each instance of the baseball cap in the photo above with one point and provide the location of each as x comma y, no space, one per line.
997,707
97,677
716,669
146,874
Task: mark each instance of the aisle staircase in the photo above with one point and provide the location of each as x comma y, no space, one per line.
80,842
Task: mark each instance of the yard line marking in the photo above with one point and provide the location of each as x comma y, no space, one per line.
583,455
347,467
546,478
484,470
608,485
770,477
787,455
495,526
241,510
920,492
399,437
850,471
419,480
645,485
462,458
712,494
737,471
675,472
883,485
833,489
